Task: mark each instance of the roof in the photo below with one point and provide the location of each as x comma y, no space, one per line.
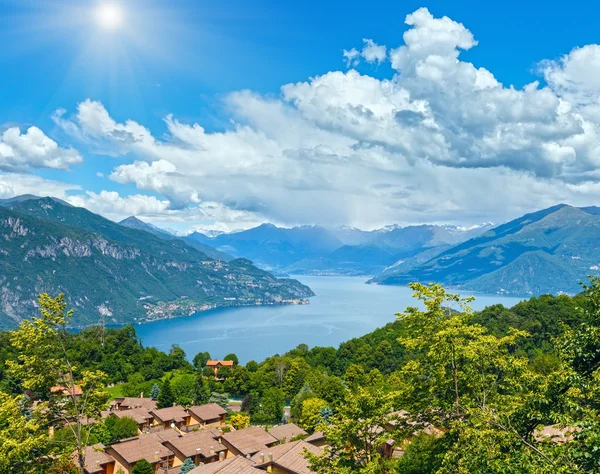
287,432
175,413
234,465
289,456
211,411
135,402
316,436
141,448
164,435
95,456
73,390
140,415
204,440
249,440
217,363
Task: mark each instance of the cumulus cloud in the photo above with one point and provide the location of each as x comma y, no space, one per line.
15,184
440,139
33,149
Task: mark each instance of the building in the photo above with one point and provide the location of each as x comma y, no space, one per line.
127,453
129,403
74,391
234,465
217,364
248,441
200,446
169,416
286,458
97,461
142,417
287,432
316,439
207,415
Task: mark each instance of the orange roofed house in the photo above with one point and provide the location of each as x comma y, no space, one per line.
216,364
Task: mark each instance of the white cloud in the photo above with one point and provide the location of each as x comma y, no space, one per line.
442,139
114,206
15,184
33,149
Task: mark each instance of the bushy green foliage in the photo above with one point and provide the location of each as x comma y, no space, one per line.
165,396
142,467
187,466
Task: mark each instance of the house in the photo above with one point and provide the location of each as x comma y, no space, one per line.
129,403
200,446
207,415
217,364
127,453
97,461
74,390
316,439
234,465
287,432
174,415
286,458
142,417
248,441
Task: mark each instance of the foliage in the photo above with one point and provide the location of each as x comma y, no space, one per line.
200,360
187,466
142,467
239,421
184,389
221,399
165,396
311,413
154,392
271,407
233,358
122,428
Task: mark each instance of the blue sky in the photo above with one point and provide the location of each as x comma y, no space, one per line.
190,60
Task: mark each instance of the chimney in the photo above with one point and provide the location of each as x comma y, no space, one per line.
97,464
141,394
212,450
262,458
270,457
156,455
222,456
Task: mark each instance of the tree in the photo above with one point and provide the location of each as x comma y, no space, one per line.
142,467
356,434
233,358
187,466
201,390
21,437
177,357
296,406
154,392
200,360
271,407
240,421
311,413
44,362
184,389
165,397
123,428
221,399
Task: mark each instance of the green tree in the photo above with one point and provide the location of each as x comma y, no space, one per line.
201,390
21,437
154,392
271,407
356,434
184,389
165,397
123,428
44,362
240,421
142,467
311,413
187,466
200,360
221,399
233,358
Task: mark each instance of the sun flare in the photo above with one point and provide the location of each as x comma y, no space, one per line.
109,16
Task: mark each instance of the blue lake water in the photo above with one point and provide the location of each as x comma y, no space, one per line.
343,308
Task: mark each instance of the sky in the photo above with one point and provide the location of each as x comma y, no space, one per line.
221,115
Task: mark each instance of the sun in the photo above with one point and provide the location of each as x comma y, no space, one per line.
109,16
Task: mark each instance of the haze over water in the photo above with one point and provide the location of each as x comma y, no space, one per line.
343,308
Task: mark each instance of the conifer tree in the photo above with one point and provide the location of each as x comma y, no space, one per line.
165,396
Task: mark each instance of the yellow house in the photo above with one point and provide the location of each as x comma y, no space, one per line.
209,415
200,446
127,453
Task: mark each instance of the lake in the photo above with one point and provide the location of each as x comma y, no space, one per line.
343,308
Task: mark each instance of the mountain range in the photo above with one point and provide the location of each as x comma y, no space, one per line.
115,272
321,250
548,251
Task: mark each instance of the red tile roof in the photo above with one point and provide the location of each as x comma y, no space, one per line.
140,448
249,440
287,432
218,363
289,456
203,440
176,414
234,465
210,411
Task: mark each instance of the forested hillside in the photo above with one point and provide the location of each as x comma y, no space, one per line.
114,273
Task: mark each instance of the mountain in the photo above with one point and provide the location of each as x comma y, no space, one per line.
134,223
548,251
336,250
114,272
